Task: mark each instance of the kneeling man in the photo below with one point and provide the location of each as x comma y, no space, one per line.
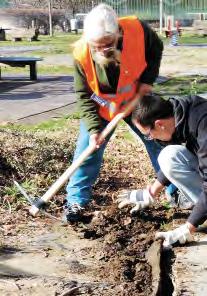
181,125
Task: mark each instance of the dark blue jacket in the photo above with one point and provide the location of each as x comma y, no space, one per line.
191,129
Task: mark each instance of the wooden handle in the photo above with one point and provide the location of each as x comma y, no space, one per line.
83,156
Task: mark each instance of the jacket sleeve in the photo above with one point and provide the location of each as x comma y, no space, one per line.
162,179
153,55
86,106
199,213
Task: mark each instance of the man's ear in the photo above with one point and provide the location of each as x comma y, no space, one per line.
159,124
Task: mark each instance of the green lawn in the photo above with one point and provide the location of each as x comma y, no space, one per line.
188,38
42,69
62,43
192,39
183,86
59,44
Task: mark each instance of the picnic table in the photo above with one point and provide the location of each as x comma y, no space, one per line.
22,62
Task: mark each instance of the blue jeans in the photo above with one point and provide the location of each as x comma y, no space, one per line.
80,184
180,166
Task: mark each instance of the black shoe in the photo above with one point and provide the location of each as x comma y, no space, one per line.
72,213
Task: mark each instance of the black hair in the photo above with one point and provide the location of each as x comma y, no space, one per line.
150,108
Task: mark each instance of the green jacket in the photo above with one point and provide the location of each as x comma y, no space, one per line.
108,79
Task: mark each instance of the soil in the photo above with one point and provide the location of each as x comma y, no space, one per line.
105,253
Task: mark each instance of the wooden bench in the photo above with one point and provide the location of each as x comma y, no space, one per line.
22,62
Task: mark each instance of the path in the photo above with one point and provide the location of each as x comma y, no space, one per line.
25,101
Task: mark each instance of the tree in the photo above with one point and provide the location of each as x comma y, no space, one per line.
3,3
72,6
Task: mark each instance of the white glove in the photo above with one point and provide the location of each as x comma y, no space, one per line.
141,198
181,234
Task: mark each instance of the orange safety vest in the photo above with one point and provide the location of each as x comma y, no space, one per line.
132,65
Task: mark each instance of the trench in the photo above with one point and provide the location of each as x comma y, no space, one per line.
166,287
161,262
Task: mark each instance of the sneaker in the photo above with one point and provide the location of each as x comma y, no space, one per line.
178,199
72,213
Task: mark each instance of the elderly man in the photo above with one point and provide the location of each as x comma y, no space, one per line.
114,60
180,123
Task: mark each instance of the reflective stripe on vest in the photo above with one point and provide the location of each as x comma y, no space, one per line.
100,101
132,65
111,106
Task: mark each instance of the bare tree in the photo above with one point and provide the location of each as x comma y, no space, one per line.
60,12
70,5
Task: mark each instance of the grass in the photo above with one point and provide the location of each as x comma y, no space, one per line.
57,70
48,125
183,85
192,39
165,226
42,69
14,196
188,38
54,124
59,44
62,44
175,86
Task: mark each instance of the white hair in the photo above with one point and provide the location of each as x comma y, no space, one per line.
101,21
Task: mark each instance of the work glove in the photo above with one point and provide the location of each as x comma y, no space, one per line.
181,234
141,198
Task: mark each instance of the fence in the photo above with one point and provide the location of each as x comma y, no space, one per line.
149,9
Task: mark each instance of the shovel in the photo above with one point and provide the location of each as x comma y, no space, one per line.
41,202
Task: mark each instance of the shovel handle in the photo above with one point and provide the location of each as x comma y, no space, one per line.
83,156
